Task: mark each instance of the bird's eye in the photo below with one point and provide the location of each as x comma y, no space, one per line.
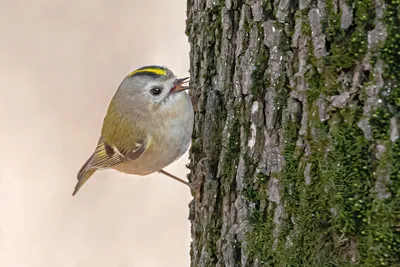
155,91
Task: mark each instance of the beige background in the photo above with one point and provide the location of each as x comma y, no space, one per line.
60,63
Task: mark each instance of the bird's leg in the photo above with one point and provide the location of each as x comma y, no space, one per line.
175,178
196,186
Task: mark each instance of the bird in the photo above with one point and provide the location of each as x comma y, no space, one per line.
148,125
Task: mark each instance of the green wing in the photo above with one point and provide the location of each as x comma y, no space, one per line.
106,156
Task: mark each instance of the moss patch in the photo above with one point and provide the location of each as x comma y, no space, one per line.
337,218
391,49
259,75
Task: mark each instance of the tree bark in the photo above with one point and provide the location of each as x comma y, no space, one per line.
296,142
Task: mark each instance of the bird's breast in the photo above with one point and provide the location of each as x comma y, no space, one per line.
170,139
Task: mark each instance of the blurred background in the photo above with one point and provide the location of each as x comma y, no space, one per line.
60,64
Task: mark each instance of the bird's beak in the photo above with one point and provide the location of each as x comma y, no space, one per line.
179,85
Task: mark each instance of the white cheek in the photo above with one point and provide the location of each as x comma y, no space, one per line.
174,97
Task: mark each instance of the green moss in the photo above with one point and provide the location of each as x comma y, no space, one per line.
394,187
283,85
316,85
339,182
229,167
263,178
213,232
347,47
380,242
293,171
351,169
260,240
332,24
318,220
196,149
380,120
335,203
259,75
393,97
249,168
391,49
268,7
336,58
305,26
339,203
209,21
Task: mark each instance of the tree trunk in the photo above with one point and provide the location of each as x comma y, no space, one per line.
296,141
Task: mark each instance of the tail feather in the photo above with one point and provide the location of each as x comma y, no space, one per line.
83,176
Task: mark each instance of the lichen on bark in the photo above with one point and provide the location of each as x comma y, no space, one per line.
296,140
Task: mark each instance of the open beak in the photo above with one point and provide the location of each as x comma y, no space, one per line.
179,85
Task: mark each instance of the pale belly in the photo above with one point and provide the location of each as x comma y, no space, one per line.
151,161
170,141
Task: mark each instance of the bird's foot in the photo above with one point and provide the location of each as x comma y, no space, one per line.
193,186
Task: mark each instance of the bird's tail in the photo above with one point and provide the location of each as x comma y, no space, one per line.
83,175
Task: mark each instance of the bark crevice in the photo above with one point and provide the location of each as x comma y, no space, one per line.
296,139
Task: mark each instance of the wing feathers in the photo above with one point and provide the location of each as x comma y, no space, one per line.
105,156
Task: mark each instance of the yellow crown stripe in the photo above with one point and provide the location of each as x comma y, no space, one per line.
151,70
